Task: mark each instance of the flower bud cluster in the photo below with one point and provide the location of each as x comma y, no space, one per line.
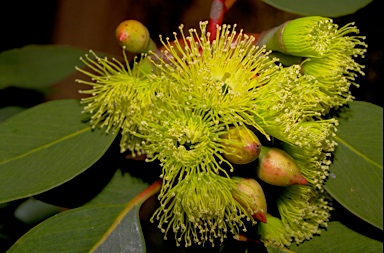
326,52
201,107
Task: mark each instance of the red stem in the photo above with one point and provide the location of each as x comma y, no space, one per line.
216,17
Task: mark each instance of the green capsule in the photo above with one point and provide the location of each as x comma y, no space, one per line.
241,145
250,187
276,167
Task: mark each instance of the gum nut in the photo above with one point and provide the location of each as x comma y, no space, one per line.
242,146
276,167
258,204
133,35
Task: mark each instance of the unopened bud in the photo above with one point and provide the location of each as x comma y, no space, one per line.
134,36
310,36
276,167
258,204
242,146
273,231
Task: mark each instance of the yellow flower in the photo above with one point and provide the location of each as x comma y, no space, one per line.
221,78
179,113
200,208
324,51
118,94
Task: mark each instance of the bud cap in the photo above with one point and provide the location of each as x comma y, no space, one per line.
242,145
277,167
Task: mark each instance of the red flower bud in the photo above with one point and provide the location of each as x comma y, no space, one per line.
250,187
242,146
276,167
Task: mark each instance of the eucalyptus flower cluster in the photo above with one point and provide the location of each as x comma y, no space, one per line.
180,106
323,50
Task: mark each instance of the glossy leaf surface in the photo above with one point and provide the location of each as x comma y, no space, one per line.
37,66
339,238
101,228
45,146
9,111
356,179
121,188
327,8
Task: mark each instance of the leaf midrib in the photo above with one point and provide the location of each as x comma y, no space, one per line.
340,140
47,145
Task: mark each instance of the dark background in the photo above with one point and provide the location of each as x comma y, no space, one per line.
90,24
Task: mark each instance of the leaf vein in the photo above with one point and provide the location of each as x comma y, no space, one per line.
49,144
340,140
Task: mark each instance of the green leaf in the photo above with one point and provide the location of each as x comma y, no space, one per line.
46,146
9,111
105,228
36,66
356,179
121,188
327,8
275,249
339,238
76,230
